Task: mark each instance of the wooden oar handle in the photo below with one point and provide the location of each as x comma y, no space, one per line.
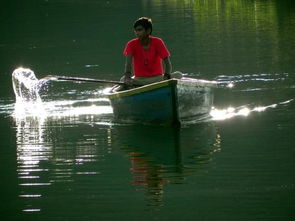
67,78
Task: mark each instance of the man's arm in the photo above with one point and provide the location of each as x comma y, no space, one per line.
167,68
128,68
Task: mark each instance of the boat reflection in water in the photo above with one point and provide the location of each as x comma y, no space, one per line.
165,155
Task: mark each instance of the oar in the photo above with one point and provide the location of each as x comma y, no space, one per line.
66,78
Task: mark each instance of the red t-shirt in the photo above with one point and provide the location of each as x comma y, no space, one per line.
147,63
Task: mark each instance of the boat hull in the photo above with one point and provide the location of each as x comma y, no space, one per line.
166,102
195,100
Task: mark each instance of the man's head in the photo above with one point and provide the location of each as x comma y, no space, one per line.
143,23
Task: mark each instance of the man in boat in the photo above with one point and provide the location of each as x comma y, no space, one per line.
145,56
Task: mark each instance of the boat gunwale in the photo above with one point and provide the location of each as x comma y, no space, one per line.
142,89
198,82
165,83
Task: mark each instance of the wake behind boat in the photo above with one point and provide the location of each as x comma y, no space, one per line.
174,101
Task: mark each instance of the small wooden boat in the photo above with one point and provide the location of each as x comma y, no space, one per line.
173,101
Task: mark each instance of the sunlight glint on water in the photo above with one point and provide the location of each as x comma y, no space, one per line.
230,112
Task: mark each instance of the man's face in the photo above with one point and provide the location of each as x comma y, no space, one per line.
141,32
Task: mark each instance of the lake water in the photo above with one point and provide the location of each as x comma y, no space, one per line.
73,162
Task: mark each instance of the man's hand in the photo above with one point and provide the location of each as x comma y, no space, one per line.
167,76
128,81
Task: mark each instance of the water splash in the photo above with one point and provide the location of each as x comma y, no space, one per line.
25,85
26,88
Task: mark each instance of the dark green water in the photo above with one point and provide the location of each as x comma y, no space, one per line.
75,163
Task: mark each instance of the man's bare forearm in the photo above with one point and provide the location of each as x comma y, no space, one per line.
128,66
167,65
168,68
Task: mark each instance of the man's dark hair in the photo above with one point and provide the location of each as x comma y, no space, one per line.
144,22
